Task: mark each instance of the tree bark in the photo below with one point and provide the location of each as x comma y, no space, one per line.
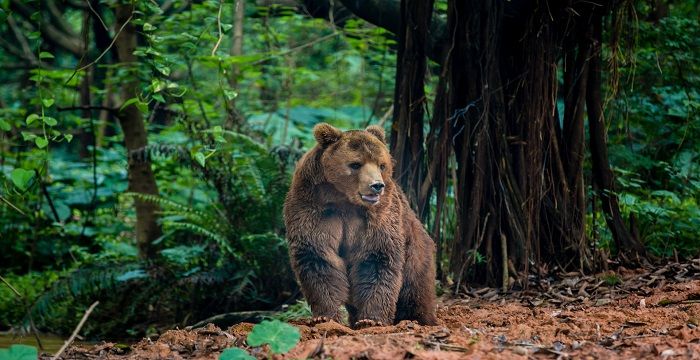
409,100
234,120
626,244
141,178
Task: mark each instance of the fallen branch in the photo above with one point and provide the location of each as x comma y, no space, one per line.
76,331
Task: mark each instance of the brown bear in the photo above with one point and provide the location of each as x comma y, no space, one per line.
353,239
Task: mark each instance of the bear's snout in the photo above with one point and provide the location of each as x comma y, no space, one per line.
377,187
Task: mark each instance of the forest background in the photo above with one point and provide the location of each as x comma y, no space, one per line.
146,147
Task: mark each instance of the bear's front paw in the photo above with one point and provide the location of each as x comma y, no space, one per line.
319,319
365,323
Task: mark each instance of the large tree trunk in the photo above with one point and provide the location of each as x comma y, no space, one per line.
520,192
409,100
627,245
141,178
497,138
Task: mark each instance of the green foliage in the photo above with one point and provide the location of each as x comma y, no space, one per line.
225,131
235,354
281,337
299,310
19,352
31,285
653,137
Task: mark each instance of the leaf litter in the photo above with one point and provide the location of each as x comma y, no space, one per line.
650,312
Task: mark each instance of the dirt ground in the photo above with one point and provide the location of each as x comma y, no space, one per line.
648,313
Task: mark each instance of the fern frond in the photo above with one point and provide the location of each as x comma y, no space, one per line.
221,241
152,152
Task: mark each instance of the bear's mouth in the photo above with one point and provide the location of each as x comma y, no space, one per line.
372,199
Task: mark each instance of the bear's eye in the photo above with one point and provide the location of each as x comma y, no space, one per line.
355,165
382,167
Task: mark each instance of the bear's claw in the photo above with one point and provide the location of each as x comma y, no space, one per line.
365,323
319,319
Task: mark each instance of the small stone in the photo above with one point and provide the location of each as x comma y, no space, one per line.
520,350
667,353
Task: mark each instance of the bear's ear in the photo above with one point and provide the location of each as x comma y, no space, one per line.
326,134
377,131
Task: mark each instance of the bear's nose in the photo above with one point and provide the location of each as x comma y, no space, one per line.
377,187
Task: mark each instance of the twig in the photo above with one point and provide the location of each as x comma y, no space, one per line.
45,191
77,329
12,206
221,33
128,20
11,287
386,115
447,347
35,332
97,15
87,107
504,260
302,46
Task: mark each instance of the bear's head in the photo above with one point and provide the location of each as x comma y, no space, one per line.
357,162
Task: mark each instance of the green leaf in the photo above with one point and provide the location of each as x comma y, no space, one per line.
68,137
235,354
50,121
230,94
27,136
31,118
41,142
45,55
159,98
281,337
21,178
128,102
200,158
148,27
163,69
47,102
131,275
158,85
19,352
4,126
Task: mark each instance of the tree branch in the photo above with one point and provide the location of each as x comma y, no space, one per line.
385,14
49,31
58,18
21,39
87,107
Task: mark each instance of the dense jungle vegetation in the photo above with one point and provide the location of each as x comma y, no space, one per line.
146,147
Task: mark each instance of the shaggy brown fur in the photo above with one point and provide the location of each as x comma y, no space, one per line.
353,239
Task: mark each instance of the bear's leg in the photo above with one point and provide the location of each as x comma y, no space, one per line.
376,280
352,314
417,297
323,280
416,304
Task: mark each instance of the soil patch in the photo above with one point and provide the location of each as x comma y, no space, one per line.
652,313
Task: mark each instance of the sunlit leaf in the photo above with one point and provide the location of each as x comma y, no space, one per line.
41,142
49,121
21,178
235,354
31,118
281,337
